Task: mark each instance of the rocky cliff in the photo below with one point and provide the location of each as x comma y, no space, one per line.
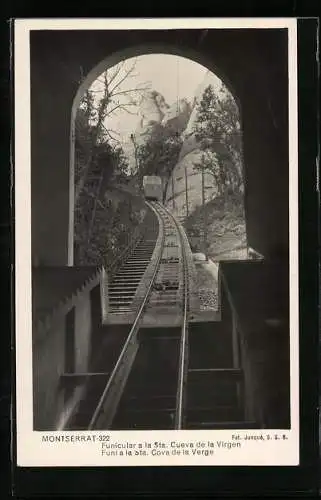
155,113
187,191
185,174
151,112
177,116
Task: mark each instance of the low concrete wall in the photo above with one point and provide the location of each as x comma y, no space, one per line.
49,363
83,329
257,302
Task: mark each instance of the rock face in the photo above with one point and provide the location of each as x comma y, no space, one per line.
155,113
187,191
152,111
177,115
186,178
184,174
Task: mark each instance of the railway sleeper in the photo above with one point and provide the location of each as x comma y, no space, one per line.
168,294
165,293
159,302
163,285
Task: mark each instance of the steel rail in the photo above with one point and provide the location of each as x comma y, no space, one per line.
180,397
132,332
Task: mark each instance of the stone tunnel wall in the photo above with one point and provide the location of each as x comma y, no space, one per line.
49,364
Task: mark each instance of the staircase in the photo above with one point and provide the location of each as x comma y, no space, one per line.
129,272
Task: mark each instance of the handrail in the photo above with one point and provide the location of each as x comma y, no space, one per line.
137,234
125,252
131,334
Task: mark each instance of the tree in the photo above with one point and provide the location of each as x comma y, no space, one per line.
217,129
110,94
99,159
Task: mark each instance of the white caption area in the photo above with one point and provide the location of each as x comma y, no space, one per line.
163,448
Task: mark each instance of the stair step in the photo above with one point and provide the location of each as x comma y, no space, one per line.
137,261
128,281
129,288
125,277
125,272
132,267
119,309
113,297
129,275
126,302
116,303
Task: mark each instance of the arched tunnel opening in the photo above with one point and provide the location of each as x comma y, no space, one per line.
185,128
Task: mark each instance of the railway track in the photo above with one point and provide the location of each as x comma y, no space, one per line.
159,401
155,378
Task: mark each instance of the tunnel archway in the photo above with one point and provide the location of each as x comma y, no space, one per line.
252,63
127,54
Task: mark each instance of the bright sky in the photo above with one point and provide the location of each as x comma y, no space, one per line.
170,75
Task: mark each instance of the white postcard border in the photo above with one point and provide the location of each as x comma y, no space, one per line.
36,448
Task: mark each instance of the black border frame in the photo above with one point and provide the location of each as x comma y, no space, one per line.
197,481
